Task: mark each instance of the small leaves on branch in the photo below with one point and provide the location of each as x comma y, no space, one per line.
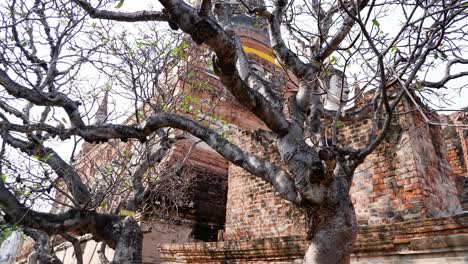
120,4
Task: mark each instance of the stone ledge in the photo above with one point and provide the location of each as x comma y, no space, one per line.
409,234
445,234
274,249
437,242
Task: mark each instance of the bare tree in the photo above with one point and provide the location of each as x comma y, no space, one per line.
63,71
317,171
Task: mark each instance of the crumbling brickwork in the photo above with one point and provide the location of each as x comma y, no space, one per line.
455,131
407,177
455,155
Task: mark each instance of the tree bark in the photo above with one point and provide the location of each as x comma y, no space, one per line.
44,252
129,242
102,254
333,228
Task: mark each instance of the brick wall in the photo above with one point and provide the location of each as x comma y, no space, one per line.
418,181
455,138
455,156
253,208
407,177
455,132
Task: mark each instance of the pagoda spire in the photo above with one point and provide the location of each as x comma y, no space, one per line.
101,114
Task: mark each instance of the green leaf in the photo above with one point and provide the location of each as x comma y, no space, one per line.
3,178
185,44
394,48
140,43
104,40
103,205
213,117
339,124
333,60
124,212
119,4
419,86
46,158
375,22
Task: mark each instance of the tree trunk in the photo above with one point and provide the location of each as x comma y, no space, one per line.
334,228
43,250
129,242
